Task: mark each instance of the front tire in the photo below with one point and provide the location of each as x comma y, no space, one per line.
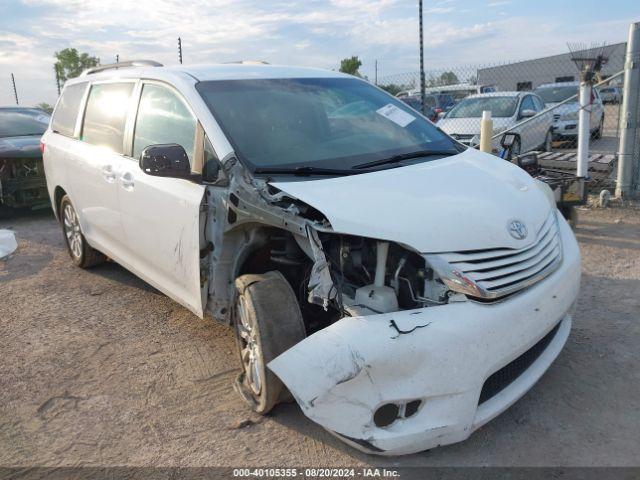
267,322
82,254
548,140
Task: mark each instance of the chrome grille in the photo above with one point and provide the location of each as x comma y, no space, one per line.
501,272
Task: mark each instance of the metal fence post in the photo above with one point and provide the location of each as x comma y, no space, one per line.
584,128
628,114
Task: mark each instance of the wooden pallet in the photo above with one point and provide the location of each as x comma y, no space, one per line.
601,166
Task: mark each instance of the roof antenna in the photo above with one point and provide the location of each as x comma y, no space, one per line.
180,50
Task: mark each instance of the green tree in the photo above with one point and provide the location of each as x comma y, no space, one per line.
45,106
392,88
448,78
351,66
70,63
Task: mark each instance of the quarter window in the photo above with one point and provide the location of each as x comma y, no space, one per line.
163,117
106,114
66,114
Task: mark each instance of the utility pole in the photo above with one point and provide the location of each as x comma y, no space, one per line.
180,50
421,61
117,58
630,127
15,92
376,74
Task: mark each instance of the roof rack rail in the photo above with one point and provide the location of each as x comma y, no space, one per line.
249,62
115,66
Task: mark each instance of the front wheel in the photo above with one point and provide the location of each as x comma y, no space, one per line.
267,322
82,254
548,139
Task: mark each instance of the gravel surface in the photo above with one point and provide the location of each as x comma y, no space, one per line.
98,368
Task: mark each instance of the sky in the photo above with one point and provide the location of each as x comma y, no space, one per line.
308,33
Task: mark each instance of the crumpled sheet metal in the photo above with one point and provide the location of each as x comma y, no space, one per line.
8,243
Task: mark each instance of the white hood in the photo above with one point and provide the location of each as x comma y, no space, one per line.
453,204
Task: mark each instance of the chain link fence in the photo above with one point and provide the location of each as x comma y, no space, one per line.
544,90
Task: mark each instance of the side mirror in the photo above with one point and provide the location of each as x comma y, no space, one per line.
527,113
170,160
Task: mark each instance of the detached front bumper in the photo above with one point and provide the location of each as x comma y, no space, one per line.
441,356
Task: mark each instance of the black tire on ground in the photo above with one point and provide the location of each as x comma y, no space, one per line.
82,254
548,140
598,133
570,214
267,322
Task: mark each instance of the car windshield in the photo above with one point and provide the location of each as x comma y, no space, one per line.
16,122
556,94
473,107
335,123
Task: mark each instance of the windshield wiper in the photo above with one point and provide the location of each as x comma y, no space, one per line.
304,171
407,156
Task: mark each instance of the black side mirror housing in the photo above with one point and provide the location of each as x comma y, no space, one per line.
168,160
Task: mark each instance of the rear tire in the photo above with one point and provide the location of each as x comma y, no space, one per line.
267,322
598,133
82,254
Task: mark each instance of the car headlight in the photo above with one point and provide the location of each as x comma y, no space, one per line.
569,116
546,189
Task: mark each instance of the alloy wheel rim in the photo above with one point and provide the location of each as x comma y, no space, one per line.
249,350
72,231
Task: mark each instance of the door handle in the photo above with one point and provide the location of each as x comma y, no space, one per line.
127,181
108,174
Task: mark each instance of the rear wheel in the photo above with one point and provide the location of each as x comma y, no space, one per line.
597,134
82,254
267,322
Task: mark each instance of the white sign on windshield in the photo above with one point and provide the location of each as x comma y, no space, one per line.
396,115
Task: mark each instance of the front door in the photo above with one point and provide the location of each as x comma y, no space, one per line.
161,216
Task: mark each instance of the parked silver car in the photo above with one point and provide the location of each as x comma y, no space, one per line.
565,117
610,94
462,122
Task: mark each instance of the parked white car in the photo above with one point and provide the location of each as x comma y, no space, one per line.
403,288
565,117
507,109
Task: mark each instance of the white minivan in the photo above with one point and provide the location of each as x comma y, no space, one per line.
402,288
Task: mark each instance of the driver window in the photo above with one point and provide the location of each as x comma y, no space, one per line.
163,118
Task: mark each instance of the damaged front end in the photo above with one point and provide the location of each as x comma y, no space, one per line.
403,348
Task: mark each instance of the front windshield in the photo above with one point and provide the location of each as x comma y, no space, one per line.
16,122
317,122
556,94
473,107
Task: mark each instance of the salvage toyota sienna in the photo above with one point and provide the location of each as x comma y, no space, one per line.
402,288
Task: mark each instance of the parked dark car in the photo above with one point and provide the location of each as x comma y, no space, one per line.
22,182
414,102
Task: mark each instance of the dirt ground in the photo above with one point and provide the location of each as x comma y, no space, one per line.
97,368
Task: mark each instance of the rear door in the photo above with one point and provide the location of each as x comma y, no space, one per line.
161,216
94,161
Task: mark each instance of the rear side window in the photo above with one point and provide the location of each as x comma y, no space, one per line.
163,118
106,114
64,118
